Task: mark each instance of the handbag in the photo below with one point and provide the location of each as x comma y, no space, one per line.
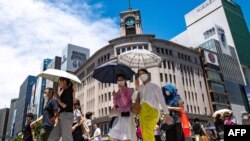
125,114
136,107
203,138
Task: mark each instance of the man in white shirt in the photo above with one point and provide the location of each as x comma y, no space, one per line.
97,134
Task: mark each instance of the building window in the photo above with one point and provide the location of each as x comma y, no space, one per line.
102,112
170,52
146,47
191,107
128,48
158,50
217,87
162,50
173,66
123,49
110,109
194,109
185,95
140,47
106,111
187,108
203,98
134,47
174,80
179,55
166,77
166,51
195,60
102,98
193,83
161,77
164,64
187,81
193,96
183,81
200,85
169,67
189,95
118,51
206,110
170,78
109,96
196,96
106,99
198,110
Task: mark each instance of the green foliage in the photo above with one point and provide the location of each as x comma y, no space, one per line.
37,131
17,138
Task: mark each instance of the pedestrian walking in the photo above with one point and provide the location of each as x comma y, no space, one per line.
65,100
97,134
172,98
27,134
50,113
88,122
185,124
124,127
150,96
219,126
77,128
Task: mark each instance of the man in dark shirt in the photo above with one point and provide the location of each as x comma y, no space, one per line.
27,134
49,115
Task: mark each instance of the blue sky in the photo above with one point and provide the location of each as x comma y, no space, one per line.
164,18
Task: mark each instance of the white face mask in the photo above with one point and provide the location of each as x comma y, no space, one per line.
143,77
167,93
45,97
121,83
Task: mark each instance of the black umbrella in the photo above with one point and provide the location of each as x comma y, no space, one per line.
107,72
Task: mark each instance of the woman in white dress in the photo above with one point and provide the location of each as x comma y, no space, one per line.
124,127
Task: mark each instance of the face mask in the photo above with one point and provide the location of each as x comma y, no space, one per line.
144,77
167,93
45,97
121,83
245,117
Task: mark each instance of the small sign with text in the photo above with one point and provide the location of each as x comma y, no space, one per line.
236,132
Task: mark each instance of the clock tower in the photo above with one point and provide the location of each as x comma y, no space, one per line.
130,22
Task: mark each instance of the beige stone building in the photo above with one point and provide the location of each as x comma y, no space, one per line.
181,66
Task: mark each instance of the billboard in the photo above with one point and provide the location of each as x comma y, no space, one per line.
211,58
73,57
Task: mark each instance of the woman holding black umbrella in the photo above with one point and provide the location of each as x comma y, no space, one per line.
124,128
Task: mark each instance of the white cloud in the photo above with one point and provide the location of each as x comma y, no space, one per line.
33,30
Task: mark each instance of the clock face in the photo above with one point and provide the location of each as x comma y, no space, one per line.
130,21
